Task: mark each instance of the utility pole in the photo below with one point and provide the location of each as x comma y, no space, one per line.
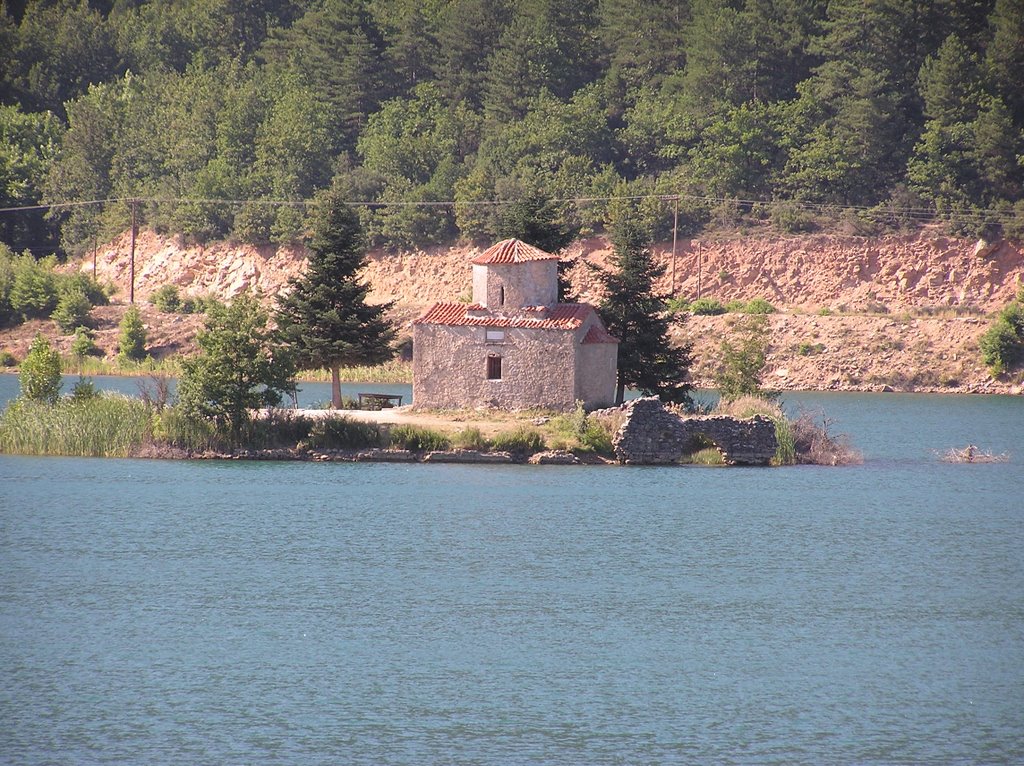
131,266
94,245
700,264
675,232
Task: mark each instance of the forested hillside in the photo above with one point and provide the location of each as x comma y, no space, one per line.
226,116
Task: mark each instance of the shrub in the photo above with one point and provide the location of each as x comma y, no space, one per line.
677,305
522,440
83,344
131,343
470,438
743,358
342,433
1002,345
806,348
790,218
579,432
175,427
34,290
418,439
39,375
93,290
84,388
707,307
72,309
813,444
759,306
166,299
7,359
735,306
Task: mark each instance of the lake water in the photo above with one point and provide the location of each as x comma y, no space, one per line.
297,613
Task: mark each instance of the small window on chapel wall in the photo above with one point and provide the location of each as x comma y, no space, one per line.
494,336
493,367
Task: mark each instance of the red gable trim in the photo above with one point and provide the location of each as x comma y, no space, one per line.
599,335
512,251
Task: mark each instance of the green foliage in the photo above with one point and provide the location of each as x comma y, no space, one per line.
806,348
743,358
86,426
791,218
522,440
34,290
39,374
785,454
470,438
240,367
582,433
167,299
72,310
324,319
7,359
637,317
758,306
84,344
179,428
707,307
417,439
342,433
1002,345
836,103
131,342
84,389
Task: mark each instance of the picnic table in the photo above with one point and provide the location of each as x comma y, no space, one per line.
379,401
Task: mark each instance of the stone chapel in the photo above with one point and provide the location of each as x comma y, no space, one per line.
515,346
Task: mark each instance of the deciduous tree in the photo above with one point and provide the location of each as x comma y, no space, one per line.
240,367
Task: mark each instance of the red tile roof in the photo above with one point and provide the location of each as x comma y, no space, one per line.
512,251
562,316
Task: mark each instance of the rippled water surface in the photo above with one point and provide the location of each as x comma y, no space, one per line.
229,613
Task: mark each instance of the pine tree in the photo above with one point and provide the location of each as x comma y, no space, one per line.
131,342
632,312
324,318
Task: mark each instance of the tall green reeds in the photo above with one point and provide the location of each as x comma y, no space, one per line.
103,426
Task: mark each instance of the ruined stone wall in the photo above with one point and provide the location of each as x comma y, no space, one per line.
651,435
450,368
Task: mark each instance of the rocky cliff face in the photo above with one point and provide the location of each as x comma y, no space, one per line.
903,312
853,274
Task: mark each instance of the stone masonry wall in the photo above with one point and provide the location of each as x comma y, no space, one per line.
651,435
450,368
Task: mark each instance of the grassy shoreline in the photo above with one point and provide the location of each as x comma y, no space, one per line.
395,372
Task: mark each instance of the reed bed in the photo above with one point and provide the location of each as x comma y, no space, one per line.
103,426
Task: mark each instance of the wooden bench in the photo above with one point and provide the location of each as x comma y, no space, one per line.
379,401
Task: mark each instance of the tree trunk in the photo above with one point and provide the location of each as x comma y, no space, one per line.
620,392
335,387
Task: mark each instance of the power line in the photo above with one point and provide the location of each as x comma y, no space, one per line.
919,213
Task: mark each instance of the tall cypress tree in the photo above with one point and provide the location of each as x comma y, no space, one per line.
632,312
324,318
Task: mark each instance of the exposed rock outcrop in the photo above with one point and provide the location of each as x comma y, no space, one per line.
652,435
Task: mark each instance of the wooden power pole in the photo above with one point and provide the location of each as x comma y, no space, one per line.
131,263
675,231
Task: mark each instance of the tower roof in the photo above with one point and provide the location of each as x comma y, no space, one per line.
512,251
